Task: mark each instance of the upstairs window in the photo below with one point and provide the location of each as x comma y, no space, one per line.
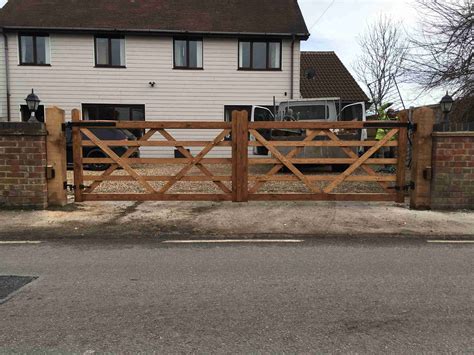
260,55
34,49
110,52
187,53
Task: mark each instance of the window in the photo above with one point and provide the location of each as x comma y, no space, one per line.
26,113
310,112
110,52
188,53
113,112
260,55
34,49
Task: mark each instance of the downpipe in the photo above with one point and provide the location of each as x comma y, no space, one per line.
292,84
7,75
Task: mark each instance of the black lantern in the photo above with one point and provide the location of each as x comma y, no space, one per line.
446,105
33,102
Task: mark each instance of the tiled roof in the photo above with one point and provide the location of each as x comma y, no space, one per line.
198,16
331,79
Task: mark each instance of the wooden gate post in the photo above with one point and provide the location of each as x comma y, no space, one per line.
420,198
402,157
56,157
240,143
77,156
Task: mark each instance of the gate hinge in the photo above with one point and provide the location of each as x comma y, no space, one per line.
72,187
410,186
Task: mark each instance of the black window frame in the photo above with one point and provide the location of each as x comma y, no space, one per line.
267,42
188,39
109,38
97,106
35,49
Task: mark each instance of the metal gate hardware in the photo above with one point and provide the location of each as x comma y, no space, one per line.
50,172
71,187
410,186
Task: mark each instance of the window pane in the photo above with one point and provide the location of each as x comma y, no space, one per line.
118,51
138,114
107,113
180,53
122,113
274,55
195,54
42,50
27,53
259,55
102,48
244,57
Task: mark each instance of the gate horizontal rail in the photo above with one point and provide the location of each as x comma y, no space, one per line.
240,184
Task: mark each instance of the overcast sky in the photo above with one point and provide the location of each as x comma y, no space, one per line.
336,24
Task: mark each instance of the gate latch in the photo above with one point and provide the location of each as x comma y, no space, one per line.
71,187
410,186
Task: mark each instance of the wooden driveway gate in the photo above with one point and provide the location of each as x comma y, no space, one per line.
240,184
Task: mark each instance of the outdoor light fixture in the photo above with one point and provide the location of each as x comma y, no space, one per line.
33,101
446,105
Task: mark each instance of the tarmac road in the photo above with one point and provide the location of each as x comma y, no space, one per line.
321,295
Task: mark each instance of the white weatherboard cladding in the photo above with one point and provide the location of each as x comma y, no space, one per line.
179,95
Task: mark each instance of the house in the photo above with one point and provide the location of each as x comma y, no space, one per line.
324,75
149,59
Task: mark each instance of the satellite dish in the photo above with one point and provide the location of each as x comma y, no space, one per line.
310,73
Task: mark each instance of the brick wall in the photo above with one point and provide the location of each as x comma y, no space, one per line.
23,166
453,171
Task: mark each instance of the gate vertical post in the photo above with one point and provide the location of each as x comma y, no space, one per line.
56,157
402,157
240,143
420,198
77,156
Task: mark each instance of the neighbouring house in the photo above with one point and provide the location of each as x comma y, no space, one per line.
323,75
149,59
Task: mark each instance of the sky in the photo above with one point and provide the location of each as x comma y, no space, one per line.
335,26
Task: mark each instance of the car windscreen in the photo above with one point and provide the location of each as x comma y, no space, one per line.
311,112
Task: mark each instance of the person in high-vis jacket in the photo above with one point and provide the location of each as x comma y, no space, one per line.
388,152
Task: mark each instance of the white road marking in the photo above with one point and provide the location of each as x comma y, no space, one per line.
451,241
220,241
19,242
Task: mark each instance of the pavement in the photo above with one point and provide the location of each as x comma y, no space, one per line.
209,219
314,295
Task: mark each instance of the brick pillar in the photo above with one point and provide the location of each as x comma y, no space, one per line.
23,162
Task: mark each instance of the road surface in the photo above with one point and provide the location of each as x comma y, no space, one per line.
319,295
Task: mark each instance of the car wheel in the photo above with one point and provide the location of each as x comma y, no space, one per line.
97,166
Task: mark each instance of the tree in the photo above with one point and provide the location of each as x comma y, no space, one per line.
442,55
383,52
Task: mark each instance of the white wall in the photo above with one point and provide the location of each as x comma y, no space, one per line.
179,94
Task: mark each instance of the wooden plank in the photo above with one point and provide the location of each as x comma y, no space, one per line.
402,157
310,136
156,178
139,143
240,138
77,156
173,125
194,161
420,197
359,162
127,154
56,156
157,197
285,161
318,125
322,197
118,160
123,143
169,161
321,161
187,154
358,178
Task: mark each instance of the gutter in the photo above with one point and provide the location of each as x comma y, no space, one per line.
303,36
7,75
292,84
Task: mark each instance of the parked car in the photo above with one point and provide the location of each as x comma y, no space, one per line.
108,134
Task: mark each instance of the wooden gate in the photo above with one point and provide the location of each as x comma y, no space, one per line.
242,177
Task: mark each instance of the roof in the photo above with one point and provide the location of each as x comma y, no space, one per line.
331,78
258,17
